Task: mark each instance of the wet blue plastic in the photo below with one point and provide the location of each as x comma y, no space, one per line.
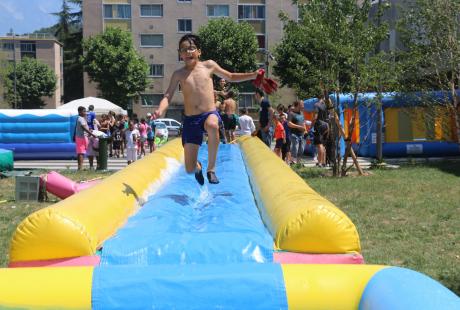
185,223
228,286
399,288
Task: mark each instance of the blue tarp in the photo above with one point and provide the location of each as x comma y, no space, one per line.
228,286
184,223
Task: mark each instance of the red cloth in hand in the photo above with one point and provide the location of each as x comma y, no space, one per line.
266,84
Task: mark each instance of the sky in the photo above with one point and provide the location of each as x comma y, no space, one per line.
26,16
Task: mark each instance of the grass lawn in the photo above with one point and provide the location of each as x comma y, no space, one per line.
407,217
12,212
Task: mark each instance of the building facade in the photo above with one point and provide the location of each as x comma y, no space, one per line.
42,47
157,26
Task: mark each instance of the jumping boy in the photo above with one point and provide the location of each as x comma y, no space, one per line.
200,112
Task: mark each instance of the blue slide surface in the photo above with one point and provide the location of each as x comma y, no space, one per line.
184,223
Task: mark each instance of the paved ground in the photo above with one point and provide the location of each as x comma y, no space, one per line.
119,163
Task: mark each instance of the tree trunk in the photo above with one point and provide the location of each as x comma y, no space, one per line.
456,111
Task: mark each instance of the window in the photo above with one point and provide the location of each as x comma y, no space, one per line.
151,40
218,10
28,49
119,11
8,46
251,11
184,1
246,100
184,25
108,11
156,70
151,10
124,11
149,100
261,40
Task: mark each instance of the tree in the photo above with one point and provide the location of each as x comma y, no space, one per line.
232,45
69,31
3,70
430,31
327,52
111,61
34,80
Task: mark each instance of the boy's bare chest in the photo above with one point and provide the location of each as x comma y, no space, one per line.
197,79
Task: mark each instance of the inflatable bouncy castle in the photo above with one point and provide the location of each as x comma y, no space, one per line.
149,237
414,124
38,134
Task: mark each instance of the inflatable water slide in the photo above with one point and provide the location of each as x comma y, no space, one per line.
149,237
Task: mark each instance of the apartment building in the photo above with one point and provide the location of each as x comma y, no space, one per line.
42,47
157,26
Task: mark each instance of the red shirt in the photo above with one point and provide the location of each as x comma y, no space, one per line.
279,131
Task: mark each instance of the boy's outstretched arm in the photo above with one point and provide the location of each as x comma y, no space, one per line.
164,103
229,76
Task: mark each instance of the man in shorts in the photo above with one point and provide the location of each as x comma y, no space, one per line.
82,132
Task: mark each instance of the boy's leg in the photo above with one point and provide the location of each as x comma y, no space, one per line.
191,161
80,161
212,128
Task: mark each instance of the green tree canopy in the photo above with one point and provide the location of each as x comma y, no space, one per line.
68,30
232,45
329,46
34,80
430,30
112,61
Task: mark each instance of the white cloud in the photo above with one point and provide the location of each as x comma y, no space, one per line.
11,9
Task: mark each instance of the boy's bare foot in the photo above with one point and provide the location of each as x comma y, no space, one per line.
212,177
199,174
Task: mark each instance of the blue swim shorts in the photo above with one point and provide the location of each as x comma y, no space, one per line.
193,129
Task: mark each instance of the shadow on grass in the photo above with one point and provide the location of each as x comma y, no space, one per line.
451,167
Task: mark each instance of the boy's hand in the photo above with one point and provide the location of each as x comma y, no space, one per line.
156,114
260,76
266,84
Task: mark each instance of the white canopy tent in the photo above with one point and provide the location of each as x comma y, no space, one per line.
101,106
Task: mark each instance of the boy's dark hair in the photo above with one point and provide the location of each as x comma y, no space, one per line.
91,107
191,38
244,110
230,94
260,92
81,109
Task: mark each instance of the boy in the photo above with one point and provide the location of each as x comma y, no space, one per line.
280,135
200,112
131,138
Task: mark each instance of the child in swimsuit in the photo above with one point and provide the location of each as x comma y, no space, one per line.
201,116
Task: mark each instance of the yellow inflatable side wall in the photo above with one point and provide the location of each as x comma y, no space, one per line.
326,286
79,224
299,219
46,288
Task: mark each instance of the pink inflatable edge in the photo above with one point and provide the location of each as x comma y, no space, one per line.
302,258
278,257
60,262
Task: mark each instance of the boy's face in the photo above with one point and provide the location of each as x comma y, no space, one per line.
188,51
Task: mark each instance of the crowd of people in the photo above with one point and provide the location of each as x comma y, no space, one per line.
284,128
127,137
